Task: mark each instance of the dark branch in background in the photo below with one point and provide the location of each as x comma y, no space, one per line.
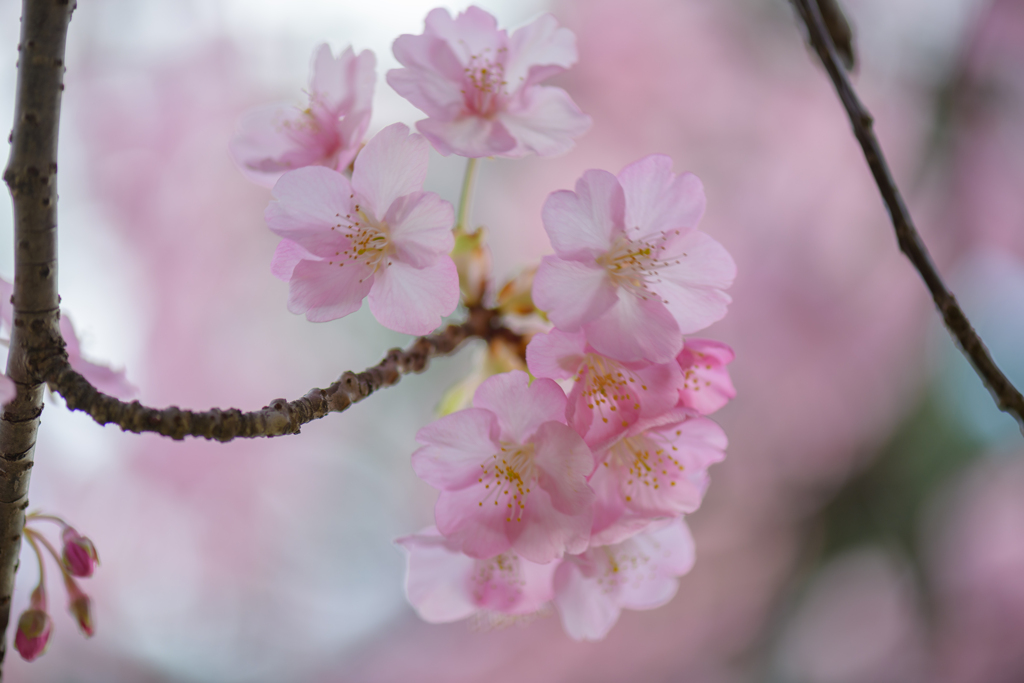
1007,397
280,416
31,177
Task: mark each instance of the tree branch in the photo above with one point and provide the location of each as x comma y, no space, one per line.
280,416
1006,396
31,176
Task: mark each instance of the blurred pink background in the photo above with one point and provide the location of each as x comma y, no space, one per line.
868,524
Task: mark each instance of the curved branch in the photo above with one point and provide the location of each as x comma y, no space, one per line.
280,416
1006,396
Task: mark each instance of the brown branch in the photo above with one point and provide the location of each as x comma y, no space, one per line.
31,176
1006,396
280,416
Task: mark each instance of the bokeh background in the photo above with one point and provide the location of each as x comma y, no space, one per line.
868,524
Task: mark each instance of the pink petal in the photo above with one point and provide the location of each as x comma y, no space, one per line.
707,385
584,224
468,136
436,578
564,462
264,147
609,508
8,390
556,354
671,553
542,533
617,400
635,329
510,584
521,407
421,228
326,291
586,613
67,330
538,51
286,257
473,518
544,120
343,84
572,293
657,200
309,202
109,381
454,446
432,81
393,163
414,300
672,478
693,288
473,32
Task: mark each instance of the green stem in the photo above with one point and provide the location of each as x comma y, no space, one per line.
32,534
466,199
30,537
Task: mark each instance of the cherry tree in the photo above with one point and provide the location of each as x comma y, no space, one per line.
566,473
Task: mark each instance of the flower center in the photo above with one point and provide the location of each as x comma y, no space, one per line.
634,265
502,569
507,478
369,241
484,83
645,461
621,566
606,384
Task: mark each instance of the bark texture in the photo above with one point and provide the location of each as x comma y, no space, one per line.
31,176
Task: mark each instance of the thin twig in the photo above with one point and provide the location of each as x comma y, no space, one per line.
1006,396
280,416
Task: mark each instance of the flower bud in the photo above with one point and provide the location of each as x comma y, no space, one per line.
516,296
33,634
80,606
79,556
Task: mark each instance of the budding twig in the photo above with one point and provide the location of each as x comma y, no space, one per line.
280,416
1006,396
31,176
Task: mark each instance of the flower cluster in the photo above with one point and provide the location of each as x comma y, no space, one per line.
77,559
563,487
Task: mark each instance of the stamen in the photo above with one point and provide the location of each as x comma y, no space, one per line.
509,475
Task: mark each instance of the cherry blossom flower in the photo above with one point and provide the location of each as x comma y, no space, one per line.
480,87
629,267
444,585
657,469
278,138
512,474
592,589
608,395
378,235
707,385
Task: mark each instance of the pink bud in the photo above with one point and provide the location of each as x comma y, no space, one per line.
79,556
80,606
33,634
